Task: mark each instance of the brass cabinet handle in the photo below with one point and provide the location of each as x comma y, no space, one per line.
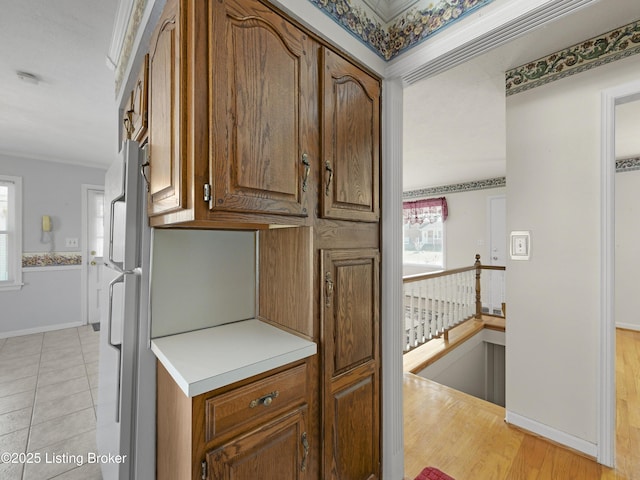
203,466
128,123
265,400
329,284
307,169
144,175
305,451
327,167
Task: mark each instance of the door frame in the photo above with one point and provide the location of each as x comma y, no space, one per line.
489,250
611,97
84,308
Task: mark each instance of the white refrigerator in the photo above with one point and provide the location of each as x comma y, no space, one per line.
127,376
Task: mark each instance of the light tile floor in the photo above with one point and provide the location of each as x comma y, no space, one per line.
48,393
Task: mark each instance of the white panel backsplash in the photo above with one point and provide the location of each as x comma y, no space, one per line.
200,279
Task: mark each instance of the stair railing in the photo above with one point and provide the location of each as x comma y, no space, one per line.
436,302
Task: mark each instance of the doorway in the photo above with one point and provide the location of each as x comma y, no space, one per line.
92,243
611,98
497,251
627,226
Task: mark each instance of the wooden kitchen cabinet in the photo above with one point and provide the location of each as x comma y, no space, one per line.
279,450
137,118
255,122
350,139
237,92
244,431
285,297
264,77
166,174
135,111
233,128
351,360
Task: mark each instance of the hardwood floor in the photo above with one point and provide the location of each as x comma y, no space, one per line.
468,439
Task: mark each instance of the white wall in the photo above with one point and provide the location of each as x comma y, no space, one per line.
476,367
466,229
553,190
50,297
627,253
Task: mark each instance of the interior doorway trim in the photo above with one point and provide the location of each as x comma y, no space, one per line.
84,309
606,371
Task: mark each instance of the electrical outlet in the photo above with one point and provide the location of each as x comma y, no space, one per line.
71,242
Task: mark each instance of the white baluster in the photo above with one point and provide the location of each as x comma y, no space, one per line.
407,314
446,307
430,317
456,295
421,316
412,328
440,306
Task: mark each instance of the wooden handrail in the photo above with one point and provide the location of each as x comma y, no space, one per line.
438,273
441,273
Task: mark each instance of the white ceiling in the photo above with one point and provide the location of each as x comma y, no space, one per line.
388,9
454,122
70,116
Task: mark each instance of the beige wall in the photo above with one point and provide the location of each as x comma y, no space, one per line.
553,190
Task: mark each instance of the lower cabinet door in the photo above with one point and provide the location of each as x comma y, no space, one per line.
278,450
351,364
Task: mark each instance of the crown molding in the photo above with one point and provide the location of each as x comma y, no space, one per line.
493,26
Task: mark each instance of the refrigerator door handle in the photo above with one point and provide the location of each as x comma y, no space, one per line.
111,219
118,347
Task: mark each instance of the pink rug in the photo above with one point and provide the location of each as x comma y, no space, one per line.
431,473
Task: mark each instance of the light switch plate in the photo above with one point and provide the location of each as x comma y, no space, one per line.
520,243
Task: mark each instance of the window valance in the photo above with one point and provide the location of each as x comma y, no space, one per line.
428,210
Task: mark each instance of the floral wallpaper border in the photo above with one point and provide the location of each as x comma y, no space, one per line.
622,165
127,45
611,46
627,164
51,259
456,188
405,31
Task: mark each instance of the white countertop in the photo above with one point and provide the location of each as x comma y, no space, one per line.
204,360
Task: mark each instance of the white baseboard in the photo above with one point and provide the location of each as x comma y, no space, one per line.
48,328
628,326
552,434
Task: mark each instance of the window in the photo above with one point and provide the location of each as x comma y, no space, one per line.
423,231
10,232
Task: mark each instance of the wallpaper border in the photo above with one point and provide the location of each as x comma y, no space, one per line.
615,45
627,164
456,188
51,259
412,27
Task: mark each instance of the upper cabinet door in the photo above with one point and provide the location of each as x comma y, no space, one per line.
167,181
138,113
263,83
350,141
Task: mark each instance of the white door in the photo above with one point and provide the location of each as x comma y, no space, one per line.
498,250
94,225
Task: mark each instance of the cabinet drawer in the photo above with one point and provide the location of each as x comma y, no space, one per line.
257,402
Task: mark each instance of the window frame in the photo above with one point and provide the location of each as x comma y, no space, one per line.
14,231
